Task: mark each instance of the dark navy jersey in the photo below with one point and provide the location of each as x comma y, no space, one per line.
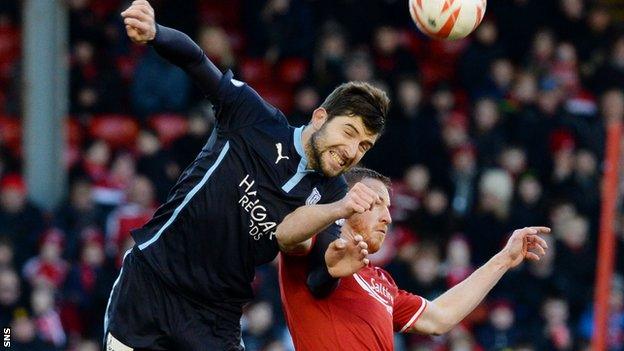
220,218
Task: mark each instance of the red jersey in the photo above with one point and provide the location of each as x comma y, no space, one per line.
361,314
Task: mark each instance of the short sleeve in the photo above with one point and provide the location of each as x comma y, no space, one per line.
237,105
407,309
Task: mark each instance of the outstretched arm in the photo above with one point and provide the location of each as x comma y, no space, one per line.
443,313
174,46
294,233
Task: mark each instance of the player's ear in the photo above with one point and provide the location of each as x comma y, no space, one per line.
319,117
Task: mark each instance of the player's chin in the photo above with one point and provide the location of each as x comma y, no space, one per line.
374,244
330,169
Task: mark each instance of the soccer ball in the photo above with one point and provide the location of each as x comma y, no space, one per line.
447,19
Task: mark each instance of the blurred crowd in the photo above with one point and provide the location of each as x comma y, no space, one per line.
502,130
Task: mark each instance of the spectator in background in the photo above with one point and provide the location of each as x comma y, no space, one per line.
542,54
306,100
48,269
488,133
138,209
284,29
464,175
216,45
46,317
498,81
78,213
479,56
457,264
10,294
513,160
158,86
485,227
110,190
330,57
528,204
392,155
24,334
20,219
86,289
570,19
185,149
526,124
575,263
586,186
499,333
389,55
425,272
359,67
7,254
257,326
94,87
556,331
156,163
408,195
611,73
432,221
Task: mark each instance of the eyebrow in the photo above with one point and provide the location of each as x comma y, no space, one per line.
368,142
353,127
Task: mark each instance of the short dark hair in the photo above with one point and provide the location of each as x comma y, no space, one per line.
359,99
357,174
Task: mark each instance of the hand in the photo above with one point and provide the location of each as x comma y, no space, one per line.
345,257
525,243
140,22
359,199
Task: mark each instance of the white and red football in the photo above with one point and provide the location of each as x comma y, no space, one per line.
447,19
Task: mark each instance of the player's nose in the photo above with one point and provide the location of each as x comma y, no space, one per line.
385,216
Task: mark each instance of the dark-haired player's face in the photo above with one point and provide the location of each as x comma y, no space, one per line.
373,224
339,144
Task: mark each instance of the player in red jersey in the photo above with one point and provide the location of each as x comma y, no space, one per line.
361,311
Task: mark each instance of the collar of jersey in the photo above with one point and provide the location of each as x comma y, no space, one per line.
303,164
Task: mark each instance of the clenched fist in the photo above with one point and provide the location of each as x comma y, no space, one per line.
140,22
359,199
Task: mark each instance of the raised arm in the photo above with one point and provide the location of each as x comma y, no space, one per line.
174,46
294,233
443,313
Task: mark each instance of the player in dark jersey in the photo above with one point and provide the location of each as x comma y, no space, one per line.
184,283
365,308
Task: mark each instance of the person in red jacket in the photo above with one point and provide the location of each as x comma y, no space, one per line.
363,310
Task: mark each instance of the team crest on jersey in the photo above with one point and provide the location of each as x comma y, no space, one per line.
314,197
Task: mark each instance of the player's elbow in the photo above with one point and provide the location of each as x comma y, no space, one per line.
442,328
437,321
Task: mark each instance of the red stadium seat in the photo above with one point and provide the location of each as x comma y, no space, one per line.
280,98
293,70
116,130
169,126
10,133
255,71
9,49
73,132
221,13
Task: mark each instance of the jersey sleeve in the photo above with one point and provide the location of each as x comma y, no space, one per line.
319,281
407,309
